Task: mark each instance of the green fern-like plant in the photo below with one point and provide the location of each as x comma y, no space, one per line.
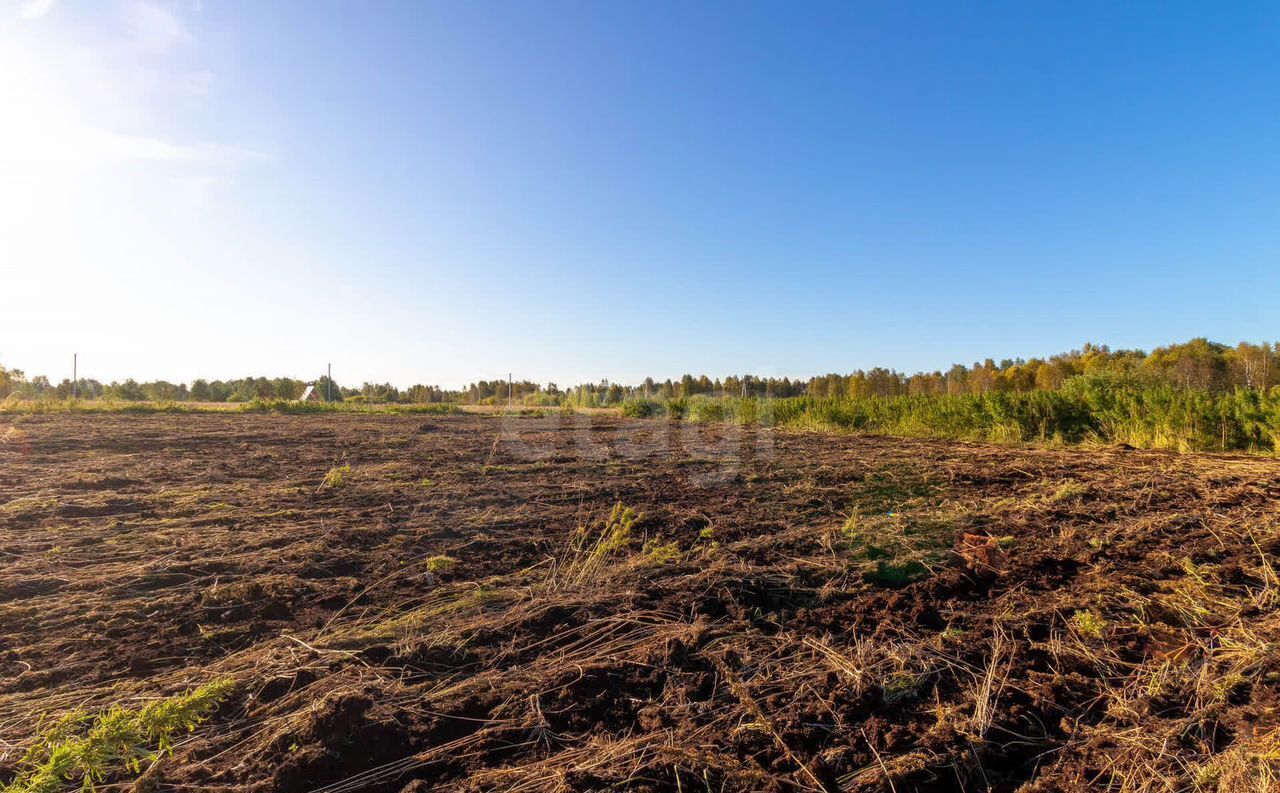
91,748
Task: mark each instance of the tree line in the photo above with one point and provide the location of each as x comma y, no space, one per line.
1199,365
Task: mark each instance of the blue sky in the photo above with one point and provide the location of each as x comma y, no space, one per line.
442,192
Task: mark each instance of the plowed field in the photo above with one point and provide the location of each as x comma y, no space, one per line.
574,603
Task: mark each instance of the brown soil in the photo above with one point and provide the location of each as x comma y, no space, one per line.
791,611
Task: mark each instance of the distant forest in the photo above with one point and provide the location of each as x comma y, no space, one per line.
1195,365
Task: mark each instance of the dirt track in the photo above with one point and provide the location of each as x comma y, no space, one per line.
790,612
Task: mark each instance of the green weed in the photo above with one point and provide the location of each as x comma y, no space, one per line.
438,564
336,478
1089,624
90,749
1069,491
657,552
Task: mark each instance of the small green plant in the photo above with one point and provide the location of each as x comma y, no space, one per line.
426,483
657,552
900,686
1068,492
1089,624
706,542
1229,686
91,748
849,529
215,635
336,478
438,564
1206,778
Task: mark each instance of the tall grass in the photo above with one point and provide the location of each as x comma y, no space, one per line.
1086,409
292,407
15,404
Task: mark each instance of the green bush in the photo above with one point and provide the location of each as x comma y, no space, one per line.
1103,409
643,408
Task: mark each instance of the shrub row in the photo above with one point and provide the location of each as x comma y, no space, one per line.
1086,409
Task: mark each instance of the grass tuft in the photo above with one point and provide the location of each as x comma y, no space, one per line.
1089,625
438,564
587,558
336,478
657,552
1068,492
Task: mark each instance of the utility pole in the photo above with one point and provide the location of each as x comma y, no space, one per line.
75,375
510,392
328,386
